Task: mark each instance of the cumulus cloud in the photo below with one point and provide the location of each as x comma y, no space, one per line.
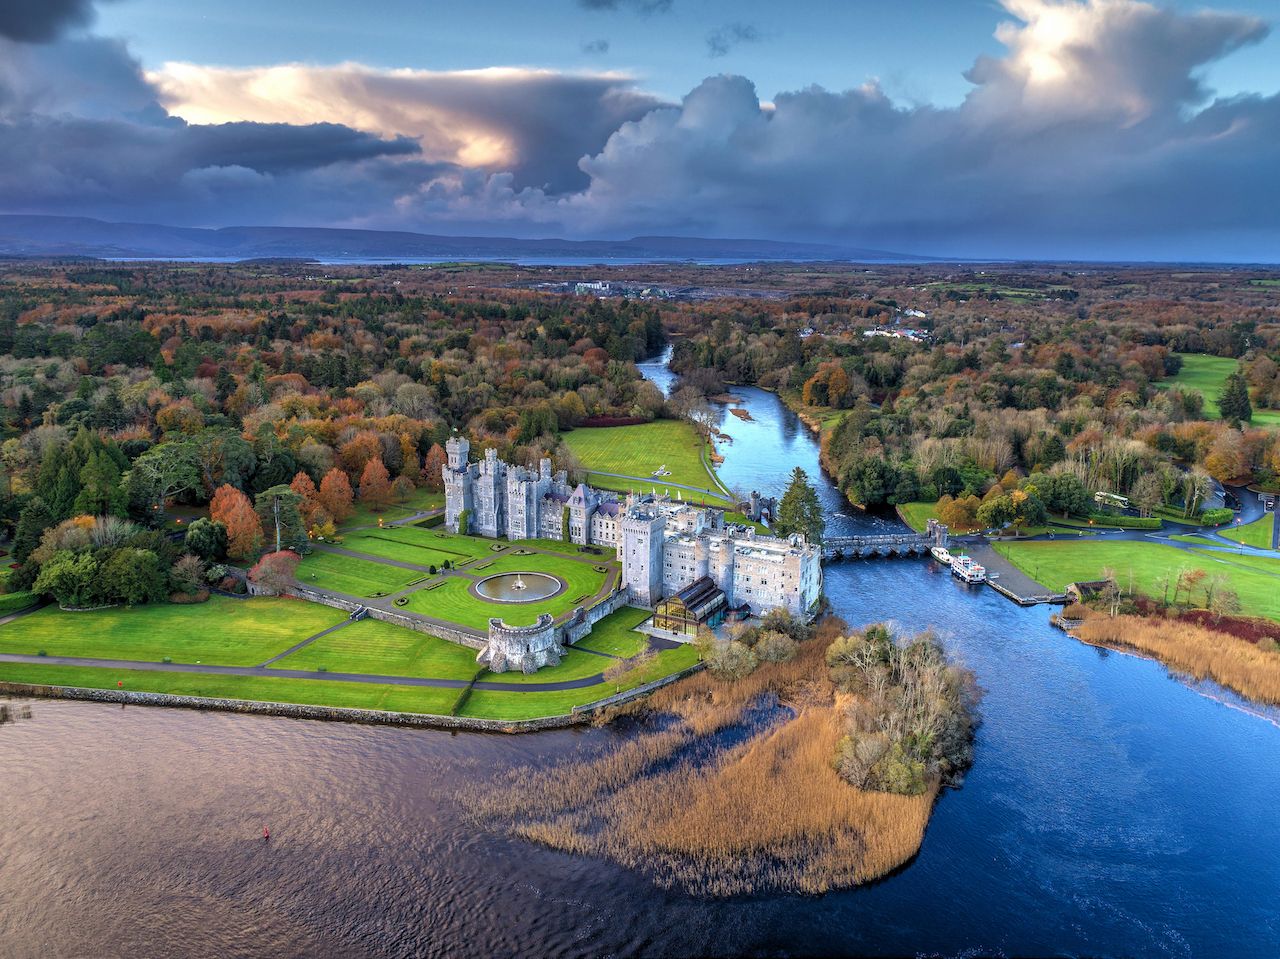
723,39
39,21
535,124
1094,135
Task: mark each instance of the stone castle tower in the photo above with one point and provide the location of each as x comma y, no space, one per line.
458,477
641,554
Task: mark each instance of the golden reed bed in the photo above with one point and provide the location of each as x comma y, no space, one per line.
1204,653
770,813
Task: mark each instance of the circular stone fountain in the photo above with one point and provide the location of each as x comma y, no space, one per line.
518,587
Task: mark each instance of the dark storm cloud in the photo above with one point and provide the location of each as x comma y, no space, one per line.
535,124
39,21
1093,136
723,39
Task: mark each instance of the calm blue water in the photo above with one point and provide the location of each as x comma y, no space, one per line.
1112,811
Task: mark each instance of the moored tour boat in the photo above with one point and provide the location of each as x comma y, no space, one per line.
964,568
941,554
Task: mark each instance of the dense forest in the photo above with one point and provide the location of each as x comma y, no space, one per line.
275,395
1026,390
125,391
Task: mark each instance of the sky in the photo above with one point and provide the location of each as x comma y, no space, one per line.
1095,129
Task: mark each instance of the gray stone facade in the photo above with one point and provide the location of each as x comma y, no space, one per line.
525,648
663,545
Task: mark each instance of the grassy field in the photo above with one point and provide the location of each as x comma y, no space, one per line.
356,577
420,500
1206,375
381,649
423,547
1255,579
487,704
917,515
639,450
453,601
268,689
1257,533
223,632
616,634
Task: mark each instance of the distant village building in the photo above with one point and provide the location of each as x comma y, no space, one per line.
664,546
593,287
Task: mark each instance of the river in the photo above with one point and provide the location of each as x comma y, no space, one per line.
1112,810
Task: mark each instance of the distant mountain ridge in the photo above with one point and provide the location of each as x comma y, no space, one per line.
46,236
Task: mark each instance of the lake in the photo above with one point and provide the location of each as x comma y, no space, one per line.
1112,810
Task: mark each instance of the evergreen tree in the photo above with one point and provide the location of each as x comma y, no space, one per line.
277,507
36,517
1233,401
101,493
800,511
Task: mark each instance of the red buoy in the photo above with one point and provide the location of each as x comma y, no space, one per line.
265,833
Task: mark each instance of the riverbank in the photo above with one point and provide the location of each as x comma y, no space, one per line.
376,717
1250,669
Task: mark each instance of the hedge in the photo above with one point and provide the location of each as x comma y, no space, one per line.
1216,517
1126,522
12,602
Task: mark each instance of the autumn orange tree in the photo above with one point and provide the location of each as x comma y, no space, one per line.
232,509
303,485
375,485
336,495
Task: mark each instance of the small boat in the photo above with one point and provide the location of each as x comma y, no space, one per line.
966,570
941,554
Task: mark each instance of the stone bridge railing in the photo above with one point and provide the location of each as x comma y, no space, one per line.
885,544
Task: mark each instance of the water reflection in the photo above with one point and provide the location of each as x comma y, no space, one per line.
1111,811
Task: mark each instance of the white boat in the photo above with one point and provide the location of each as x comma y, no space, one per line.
965,569
941,554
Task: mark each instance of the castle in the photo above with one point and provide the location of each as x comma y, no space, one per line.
664,546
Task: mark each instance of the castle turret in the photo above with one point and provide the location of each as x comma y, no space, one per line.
458,449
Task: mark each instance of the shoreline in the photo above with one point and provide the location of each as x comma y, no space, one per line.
346,714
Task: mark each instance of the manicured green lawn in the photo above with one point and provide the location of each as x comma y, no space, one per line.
1207,374
269,689
615,634
356,577
581,575
1255,579
452,601
917,515
421,546
1257,533
639,450
223,632
420,500
376,648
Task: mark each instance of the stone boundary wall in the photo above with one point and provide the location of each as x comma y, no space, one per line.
293,710
576,631
461,637
580,714
627,695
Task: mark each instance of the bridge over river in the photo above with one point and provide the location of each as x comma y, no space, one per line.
885,544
